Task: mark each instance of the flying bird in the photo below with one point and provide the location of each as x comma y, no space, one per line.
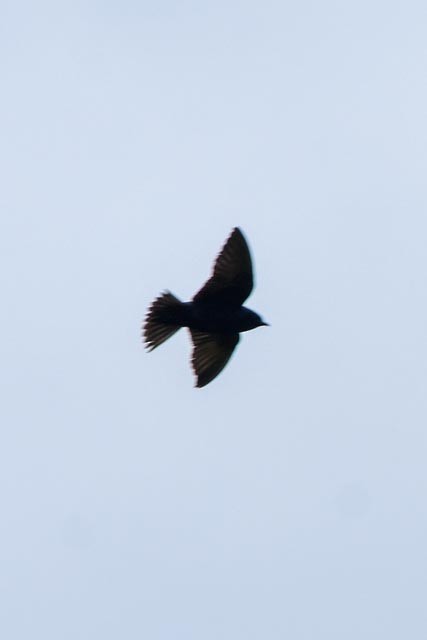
215,316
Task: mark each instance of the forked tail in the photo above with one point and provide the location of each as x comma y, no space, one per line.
162,320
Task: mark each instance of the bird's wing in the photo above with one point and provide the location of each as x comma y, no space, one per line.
232,278
211,353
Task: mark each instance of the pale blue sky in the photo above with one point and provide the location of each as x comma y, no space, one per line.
286,500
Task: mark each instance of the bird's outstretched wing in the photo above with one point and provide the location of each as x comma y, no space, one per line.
232,278
211,353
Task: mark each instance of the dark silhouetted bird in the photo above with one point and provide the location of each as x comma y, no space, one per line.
215,316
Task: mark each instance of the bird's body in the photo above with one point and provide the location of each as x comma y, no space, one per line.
215,316
212,318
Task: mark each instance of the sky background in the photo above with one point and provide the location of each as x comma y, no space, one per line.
286,500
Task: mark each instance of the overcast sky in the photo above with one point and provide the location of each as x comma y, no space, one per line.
287,499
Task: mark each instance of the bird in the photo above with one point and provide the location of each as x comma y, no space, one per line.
215,316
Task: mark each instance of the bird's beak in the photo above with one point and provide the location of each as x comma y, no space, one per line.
265,324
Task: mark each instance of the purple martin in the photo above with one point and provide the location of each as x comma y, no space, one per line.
216,314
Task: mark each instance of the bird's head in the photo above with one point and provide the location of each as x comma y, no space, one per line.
251,320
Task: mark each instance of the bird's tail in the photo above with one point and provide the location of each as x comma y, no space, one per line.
162,320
